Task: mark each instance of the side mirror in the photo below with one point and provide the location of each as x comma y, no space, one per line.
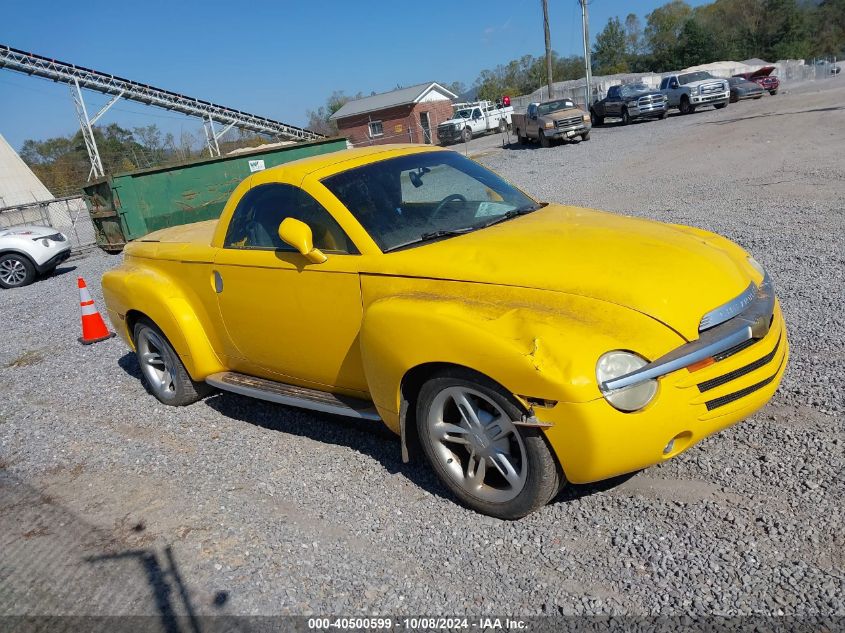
298,235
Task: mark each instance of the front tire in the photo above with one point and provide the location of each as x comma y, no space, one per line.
545,141
686,107
16,271
585,136
597,120
626,118
773,92
719,106
164,374
465,426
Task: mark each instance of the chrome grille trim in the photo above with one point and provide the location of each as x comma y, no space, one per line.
753,323
569,122
728,310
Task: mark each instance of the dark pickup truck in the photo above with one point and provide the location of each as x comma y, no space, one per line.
630,102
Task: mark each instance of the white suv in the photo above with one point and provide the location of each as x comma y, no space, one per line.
29,251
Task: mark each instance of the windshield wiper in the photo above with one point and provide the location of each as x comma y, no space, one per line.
514,213
433,235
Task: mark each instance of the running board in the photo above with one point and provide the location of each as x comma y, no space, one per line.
293,396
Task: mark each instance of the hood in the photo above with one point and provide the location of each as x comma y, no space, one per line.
453,120
673,274
757,74
563,114
32,232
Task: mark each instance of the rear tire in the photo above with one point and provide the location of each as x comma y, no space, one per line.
16,271
164,374
523,140
465,427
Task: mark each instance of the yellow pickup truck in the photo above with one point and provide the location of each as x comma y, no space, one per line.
516,344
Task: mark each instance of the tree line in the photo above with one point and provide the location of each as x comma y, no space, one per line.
62,162
674,36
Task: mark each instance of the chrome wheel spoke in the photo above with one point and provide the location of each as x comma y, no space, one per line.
467,410
503,464
152,358
453,433
476,444
476,471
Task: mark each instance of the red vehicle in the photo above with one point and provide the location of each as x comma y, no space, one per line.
764,78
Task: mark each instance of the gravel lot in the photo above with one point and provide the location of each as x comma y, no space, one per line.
111,503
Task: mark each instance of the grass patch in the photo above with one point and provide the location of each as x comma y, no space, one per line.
26,359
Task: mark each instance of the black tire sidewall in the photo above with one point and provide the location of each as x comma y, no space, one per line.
186,390
28,267
544,474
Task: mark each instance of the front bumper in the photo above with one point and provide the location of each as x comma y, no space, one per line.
53,261
449,134
568,132
716,97
594,441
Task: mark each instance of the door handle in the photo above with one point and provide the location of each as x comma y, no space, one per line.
218,282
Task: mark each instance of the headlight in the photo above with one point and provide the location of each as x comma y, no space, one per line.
694,91
756,266
586,118
618,363
549,125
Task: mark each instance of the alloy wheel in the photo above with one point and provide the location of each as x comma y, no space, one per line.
12,272
156,363
477,444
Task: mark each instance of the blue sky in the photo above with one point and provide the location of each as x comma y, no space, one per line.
276,59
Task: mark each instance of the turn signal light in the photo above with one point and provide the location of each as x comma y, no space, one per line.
701,364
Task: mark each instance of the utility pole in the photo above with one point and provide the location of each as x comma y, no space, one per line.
548,47
588,73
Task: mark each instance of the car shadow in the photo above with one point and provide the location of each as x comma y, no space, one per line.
59,271
369,438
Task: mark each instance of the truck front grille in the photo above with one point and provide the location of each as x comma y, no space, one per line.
569,122
711,88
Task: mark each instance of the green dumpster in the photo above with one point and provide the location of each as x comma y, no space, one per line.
127,206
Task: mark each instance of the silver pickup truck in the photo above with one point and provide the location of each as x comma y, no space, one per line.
687,91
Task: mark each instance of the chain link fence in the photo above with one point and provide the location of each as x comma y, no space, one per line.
68,215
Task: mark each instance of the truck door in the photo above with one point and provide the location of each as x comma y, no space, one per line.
478,124
613,103
531,120
285,318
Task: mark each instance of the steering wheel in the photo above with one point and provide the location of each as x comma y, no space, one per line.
454,197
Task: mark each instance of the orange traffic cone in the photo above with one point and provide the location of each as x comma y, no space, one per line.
94,328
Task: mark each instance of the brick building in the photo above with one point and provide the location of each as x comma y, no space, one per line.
408,115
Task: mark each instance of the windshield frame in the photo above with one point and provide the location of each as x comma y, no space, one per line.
540,111
383,184
694,74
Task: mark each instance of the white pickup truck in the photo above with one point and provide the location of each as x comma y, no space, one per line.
471,119
687,91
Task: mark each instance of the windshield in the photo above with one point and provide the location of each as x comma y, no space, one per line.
416,198
696,76
633,89
462,114
554,106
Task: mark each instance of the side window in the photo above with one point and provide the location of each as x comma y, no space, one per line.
664,83
613,92
476,114
255,222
